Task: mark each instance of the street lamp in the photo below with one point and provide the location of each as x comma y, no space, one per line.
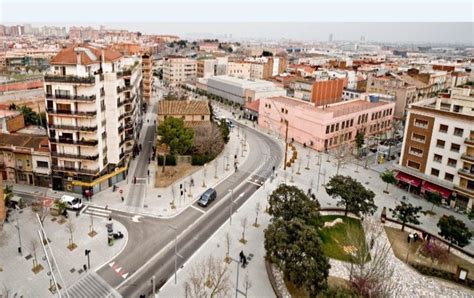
88,252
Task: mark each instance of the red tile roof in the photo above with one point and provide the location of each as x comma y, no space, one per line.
253,105
183,107
88,54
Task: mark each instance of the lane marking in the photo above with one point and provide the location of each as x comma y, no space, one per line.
255,183
196,208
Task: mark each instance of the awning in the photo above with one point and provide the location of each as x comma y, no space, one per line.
409,179
445,193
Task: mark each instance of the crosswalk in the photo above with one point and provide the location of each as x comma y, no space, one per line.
97,211
92,285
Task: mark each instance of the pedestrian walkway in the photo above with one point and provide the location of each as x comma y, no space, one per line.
92,285
16,269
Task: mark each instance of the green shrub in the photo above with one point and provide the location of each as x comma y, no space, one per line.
201,159
425,270
170,160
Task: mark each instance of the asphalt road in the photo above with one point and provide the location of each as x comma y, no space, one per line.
150,247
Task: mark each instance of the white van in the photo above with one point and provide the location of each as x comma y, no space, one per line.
72,202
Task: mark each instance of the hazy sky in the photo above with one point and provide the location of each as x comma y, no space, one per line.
383,20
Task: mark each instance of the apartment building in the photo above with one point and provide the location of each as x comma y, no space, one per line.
25,159
178,69
147,67
93,104
438,148
325,127
206,67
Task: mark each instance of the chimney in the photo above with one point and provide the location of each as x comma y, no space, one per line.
78,58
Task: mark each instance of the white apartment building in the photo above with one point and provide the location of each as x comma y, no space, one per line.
178,69
93,104
438,148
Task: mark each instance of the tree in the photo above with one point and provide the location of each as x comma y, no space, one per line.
352,195
435,198
288,202
210,278
257,211
7,194
208,140
70,228
406,213
454,231
359,140
175,135
30,116
296,250
225,131
60,205
389,178
435,250
34,248
243,223
227,244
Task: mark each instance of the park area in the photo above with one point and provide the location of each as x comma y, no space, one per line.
442,264
340,241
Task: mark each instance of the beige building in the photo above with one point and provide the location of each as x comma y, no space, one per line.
438,148
206,67
147,67
93,104
178,69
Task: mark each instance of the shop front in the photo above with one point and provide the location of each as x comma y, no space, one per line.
409,183
445,193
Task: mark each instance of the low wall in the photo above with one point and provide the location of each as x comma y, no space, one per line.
21,85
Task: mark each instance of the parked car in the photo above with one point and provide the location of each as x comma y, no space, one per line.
230,124
207,197
72,202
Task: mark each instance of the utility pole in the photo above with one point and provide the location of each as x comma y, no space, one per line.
286,145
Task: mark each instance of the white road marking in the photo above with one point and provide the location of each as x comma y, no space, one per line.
136,218
196,208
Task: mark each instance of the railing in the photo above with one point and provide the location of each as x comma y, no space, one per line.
72,97
70,112
469,141
467,173
73,127
467,157
421,125
69,79
82,171
75,156
74,142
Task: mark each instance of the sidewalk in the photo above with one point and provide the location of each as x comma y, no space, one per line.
16,270
157,201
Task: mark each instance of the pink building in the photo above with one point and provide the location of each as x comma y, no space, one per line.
325,127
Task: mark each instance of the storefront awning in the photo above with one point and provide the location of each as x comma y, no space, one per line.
445,193
416,182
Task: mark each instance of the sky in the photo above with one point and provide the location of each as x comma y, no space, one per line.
449,21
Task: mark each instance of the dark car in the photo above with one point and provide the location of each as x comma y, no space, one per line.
207,197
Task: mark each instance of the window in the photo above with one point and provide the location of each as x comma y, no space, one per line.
337,126
282,110
434,172
437,158
343,124
455,147
448,177
413,165
28,163
440,143
452,162
416,152
327,129
202,117
458,131
41,164
332,127
421,123
443,128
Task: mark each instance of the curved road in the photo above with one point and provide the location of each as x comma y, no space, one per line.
150,247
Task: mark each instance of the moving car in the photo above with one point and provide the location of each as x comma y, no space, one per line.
207,197
72,202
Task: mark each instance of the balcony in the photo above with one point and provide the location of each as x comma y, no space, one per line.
124,88
69,79
127,72
75,156
74,142
74,127
72,113
466,173
467,157
72,97
76,170
463,189
120,129
469,141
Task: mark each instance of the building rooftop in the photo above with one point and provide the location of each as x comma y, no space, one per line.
183,107
87,54
37,143
260,85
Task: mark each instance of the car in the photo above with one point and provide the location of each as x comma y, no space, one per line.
230,124
207,197
72,202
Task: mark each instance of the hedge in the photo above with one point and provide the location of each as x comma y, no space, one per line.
441,274
170,160
200,160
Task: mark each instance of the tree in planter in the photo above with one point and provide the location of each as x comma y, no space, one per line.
34,247
359,140
210,278
454,231
352,195
176,135
389,178
288,202
243,223
406,213
257,211
70,228
435,198
296,250
61,206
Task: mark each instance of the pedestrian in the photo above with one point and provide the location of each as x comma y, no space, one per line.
244,263
241,256
122,199
84,267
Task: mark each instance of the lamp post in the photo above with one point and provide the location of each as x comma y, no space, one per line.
88,252
17,226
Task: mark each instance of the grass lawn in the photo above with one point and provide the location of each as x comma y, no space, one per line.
401,248
335,241
173,174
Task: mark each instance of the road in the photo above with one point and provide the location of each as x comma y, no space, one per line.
150,248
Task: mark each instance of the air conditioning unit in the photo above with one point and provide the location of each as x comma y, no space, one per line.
69,179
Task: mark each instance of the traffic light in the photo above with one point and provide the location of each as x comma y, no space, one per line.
87,251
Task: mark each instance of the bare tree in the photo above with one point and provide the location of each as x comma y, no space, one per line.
34,247
208,139
70,228
257,211
210,278
371,272
227,253
243,223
